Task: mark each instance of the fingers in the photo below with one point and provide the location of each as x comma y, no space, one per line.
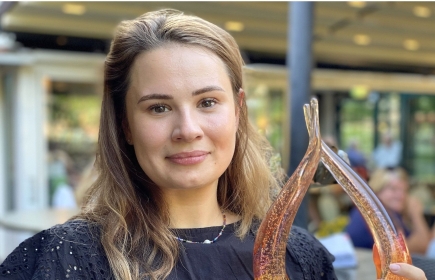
408,271
414,206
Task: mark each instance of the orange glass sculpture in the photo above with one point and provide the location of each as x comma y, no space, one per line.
271,241
390,246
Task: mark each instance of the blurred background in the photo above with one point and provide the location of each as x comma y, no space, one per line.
373,73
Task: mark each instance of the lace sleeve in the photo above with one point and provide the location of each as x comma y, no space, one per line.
314,262
68,251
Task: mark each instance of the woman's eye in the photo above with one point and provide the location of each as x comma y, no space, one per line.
208,103
159,108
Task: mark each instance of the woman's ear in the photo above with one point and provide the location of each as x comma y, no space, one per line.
241,97
127,132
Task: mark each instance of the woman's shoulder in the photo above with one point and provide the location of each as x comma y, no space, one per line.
73,229
302,240
72,249
306,257
312,257
299,240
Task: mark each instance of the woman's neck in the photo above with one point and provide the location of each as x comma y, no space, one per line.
193,208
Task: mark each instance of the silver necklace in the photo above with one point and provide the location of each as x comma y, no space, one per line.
206,241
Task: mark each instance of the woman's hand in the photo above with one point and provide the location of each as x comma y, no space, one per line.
408,271
414,208
419,238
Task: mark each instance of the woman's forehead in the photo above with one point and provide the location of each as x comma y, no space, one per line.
395,183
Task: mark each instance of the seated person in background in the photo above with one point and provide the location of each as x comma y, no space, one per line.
388,153
391,187
357,159
430,252
62,174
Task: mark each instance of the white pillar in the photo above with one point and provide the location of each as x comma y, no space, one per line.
29,149
28,184
3,181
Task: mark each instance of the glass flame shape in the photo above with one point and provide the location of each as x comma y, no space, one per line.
390,244
271,241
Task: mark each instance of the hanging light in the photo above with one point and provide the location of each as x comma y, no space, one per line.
359,92
236,26
74,9
411,44
422,11
357,4
362,39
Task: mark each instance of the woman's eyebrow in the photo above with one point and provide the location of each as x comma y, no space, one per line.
207,89
154,96
167,96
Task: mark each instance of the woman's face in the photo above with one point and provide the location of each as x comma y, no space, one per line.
182,118
393,194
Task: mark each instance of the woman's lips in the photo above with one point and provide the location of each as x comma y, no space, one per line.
188,158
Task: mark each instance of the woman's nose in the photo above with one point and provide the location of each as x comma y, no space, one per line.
187,128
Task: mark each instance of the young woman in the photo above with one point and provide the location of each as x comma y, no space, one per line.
184,179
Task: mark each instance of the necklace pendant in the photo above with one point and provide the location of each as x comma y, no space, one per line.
206,241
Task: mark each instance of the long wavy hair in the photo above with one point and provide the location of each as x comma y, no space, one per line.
381,177
124,202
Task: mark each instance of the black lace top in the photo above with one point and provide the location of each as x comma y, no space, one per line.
73,251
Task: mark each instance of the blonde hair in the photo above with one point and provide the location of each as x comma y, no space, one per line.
380,177
123,201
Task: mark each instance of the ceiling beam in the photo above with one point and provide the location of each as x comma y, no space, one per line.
57,26
351,54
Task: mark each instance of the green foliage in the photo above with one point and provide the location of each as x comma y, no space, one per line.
327,228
